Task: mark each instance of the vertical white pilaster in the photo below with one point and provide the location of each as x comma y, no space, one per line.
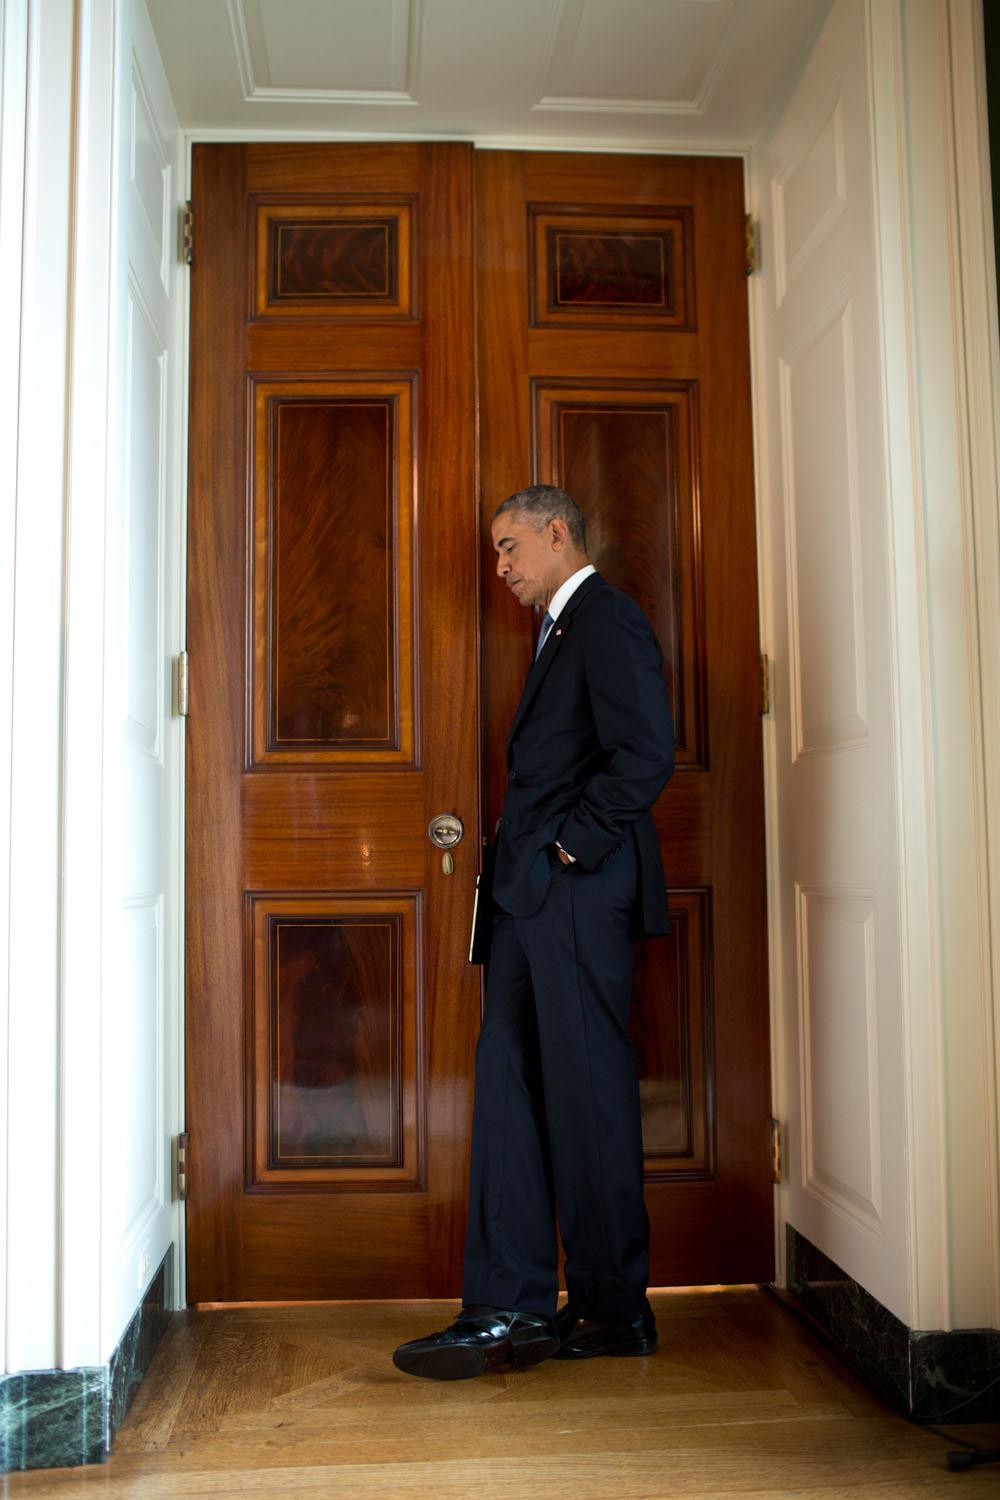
13,98
36,707
953,1159
979,409
82,973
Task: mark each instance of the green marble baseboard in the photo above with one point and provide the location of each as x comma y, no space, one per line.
53,1419
930,1375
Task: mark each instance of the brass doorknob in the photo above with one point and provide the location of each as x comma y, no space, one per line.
445,830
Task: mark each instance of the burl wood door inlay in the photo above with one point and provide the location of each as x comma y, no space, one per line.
673,1033
628,452
334,260
332,581
594,267
615,362
332,1016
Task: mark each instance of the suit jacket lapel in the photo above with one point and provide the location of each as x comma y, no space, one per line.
540,666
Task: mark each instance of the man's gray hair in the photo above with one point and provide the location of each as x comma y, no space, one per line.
541,503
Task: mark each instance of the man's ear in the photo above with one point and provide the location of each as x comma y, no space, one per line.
559,532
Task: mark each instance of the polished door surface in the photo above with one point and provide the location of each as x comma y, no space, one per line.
614,361
334,615
332,630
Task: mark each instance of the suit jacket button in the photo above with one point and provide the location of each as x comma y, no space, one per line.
513,775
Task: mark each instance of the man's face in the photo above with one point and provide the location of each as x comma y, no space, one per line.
528,561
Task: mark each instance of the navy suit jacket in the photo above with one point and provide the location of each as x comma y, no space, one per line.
590,749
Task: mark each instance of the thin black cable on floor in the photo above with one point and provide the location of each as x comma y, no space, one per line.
971,1455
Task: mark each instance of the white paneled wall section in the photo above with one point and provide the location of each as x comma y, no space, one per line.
143,738
91,591
831,740
40,283
877,481
13,100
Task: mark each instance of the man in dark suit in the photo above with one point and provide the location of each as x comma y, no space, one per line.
572,877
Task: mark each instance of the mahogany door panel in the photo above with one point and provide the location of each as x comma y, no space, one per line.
333,662
332,619
614,361
333,1078
627,451
612,268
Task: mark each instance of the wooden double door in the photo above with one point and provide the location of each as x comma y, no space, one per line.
386,340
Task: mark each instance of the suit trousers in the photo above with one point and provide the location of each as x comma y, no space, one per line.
556,1119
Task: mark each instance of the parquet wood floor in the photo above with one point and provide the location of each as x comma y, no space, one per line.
740,1400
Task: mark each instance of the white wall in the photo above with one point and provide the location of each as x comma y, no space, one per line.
13,85
36,656
885,653
91,1068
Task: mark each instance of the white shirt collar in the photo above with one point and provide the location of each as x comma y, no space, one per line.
565,590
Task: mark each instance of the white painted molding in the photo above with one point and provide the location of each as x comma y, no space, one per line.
82,971
632,147
256,91
142,1010
907,588
827,736
13,100
176,605
601,104
981,402
585,104
36,708
66,1303
787,267
769,602
938,313
863,1210
946,311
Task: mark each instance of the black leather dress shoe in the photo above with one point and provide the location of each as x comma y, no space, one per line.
480,1339
581,1338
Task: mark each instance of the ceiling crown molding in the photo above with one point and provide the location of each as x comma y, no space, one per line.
251,60
571,12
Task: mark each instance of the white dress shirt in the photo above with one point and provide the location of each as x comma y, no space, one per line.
565,590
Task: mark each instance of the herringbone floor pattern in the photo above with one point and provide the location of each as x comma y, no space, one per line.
740,1401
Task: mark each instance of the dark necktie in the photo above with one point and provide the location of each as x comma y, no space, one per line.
543,634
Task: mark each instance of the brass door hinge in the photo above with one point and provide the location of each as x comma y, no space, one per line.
181,1167
181,688
765,683
776,1162
187,234
749,245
